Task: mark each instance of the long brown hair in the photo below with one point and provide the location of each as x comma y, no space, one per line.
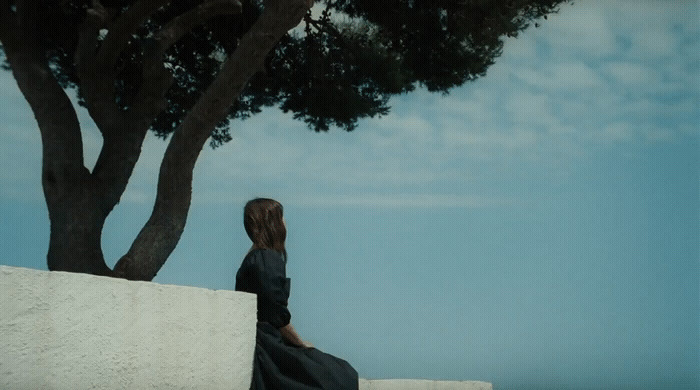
262,219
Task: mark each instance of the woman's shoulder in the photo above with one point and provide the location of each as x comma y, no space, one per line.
262,254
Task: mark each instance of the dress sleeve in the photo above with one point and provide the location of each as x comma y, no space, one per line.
274,288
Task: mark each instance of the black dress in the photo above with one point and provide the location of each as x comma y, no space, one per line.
279,365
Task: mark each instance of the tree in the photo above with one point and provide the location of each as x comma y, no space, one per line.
184,70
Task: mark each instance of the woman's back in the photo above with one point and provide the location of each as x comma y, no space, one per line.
263,273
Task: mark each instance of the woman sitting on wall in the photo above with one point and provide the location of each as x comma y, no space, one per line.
283,361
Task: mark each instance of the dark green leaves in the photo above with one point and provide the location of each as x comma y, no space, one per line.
345,66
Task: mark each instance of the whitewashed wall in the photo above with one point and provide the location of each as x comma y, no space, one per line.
62,330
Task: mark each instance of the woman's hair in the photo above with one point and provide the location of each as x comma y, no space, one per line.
262,219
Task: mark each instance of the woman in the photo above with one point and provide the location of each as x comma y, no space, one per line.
283,361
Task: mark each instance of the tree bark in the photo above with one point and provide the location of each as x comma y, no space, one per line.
74,213
76,233
159,237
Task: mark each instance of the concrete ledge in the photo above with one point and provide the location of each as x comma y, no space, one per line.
62,330
414,384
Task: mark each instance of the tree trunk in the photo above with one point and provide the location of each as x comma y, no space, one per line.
76,232
76,210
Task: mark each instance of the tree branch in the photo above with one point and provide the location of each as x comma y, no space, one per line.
62,148
121,150
96,67
278,17
8,24
161,233
96,83
182,24
150,100
120,32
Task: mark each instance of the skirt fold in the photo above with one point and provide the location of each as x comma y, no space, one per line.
280,366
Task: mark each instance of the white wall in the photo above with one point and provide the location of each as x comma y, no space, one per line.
62,330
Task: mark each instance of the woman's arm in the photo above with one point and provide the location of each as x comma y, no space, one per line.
290,335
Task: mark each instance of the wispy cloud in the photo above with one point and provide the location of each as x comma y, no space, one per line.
630,73
583,29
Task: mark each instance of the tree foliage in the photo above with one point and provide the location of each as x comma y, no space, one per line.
166,66
344,64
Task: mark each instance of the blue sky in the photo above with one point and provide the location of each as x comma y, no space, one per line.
537,228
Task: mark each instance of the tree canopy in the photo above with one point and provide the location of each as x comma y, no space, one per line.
186,70
343,65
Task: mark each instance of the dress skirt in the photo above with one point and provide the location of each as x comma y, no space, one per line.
281,366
